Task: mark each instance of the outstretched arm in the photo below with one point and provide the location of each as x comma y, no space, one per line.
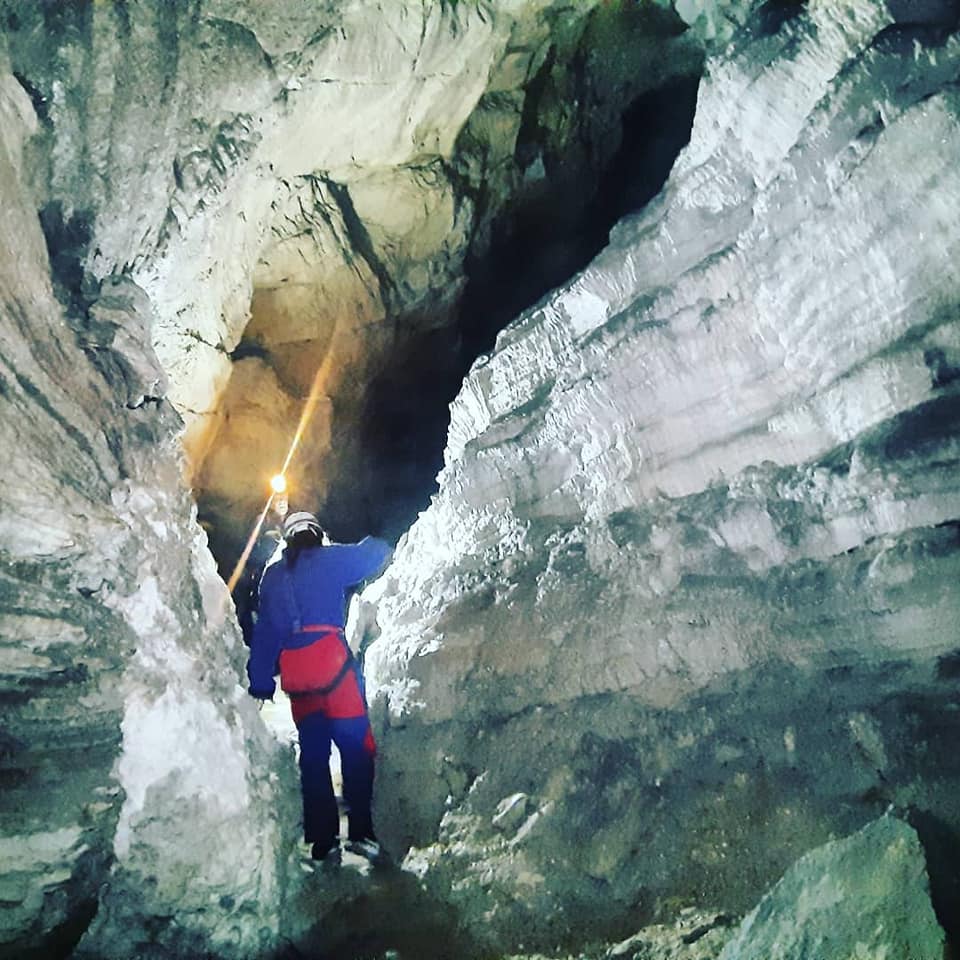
360,561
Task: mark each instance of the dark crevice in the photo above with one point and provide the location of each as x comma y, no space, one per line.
540,248
79,904
405,426
918,431
901,40
544,242
773,14
940,13
948,668
929,23
249,348
941,844
943,372
68,239
360,239
168,40
378,924
37,97
531,135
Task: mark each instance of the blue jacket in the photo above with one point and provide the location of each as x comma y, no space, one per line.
319,583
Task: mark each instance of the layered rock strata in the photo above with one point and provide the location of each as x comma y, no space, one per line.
686,601
219,219
134,771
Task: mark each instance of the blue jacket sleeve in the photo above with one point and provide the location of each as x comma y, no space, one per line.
268,634
359,561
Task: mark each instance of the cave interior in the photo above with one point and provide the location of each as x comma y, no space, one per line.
632,326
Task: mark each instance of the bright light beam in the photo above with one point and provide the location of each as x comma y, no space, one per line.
251,540
305,416
307,413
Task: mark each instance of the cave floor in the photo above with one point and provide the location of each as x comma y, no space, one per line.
383,912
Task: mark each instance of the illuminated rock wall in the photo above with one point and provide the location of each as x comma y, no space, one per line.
686,602
298,191
196,167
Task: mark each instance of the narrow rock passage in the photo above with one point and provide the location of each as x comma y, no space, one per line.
394,279
357,910
536,246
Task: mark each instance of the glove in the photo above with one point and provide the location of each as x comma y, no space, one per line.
262,694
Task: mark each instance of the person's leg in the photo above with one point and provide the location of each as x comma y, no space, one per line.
354,740
321,820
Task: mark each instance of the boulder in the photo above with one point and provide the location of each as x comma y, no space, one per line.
866,896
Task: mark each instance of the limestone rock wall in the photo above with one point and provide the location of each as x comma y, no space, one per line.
123,719
233,195
297,192
181,178
686,601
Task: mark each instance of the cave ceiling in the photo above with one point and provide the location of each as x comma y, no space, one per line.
340,199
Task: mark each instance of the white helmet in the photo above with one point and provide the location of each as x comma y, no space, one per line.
298,522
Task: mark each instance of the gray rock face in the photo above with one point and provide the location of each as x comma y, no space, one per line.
865,896
192,195
686,601
134,772
689,583
118,335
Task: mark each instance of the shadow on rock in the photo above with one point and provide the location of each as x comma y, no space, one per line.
941,845
367,913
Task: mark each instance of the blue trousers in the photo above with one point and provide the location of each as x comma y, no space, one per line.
321,820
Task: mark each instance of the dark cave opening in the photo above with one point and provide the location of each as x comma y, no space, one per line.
549,244
543,244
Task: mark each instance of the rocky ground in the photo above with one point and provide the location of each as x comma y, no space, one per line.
864,896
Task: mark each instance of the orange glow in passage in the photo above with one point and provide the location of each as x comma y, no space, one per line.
306,415
278,484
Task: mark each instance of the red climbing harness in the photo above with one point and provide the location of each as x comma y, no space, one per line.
322,676
318,666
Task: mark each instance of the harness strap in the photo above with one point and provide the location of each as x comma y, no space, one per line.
297,626
330,687
341,673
